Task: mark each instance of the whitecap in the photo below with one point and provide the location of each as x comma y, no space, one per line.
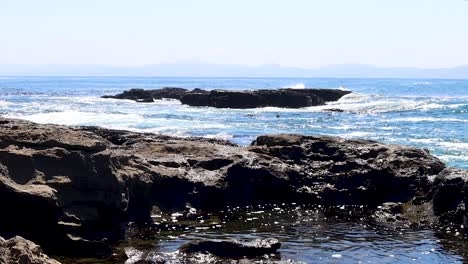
428,119
422,83
372,104
356,134
167,101
463,146
78,118
343,88
5,103
422,140
295,86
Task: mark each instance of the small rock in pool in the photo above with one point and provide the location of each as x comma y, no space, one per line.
334,110
232,248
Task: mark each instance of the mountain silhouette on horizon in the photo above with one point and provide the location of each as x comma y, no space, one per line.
196,69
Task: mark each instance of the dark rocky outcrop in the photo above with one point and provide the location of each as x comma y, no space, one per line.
18,250
71,189
147,96
232,248
287,98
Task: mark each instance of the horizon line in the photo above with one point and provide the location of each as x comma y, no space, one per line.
236,64
223,77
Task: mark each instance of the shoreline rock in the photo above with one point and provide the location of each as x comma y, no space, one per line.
73,189
148,96
22,251
286,98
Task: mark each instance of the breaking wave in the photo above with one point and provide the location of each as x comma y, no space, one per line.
296,86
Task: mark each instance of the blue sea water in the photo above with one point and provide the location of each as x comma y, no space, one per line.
430,114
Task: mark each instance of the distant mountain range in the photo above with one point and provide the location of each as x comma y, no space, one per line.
228,70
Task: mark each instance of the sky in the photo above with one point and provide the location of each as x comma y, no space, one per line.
298,33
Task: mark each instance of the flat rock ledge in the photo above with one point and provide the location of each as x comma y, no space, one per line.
72,190
286,98
18,250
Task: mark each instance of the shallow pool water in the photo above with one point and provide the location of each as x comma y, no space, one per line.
307,236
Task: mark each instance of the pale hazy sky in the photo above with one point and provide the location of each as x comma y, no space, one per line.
303,33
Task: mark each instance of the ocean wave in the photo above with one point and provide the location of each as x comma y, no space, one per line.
422,83
78,118
462,146
4,103
374,104
222,135
429,119
458,160
342,88
295,86
423,140
357,134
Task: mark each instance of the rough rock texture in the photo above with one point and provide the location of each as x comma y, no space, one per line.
450,196
147,96
18,250
288,98
70,189
233,249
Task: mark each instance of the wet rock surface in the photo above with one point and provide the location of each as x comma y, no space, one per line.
18,250
72,189
287,98
233,249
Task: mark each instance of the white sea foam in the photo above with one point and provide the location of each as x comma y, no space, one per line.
78,118
423,140
342,88
357,134
166,101
343,127
94,99
454,158
373,104
461,146
429,119
295,86
5,103
222,135
422,83
389,128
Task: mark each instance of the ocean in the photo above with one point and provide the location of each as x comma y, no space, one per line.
429,113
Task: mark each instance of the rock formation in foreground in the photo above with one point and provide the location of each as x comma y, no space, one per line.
71,189
286,98
21,251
